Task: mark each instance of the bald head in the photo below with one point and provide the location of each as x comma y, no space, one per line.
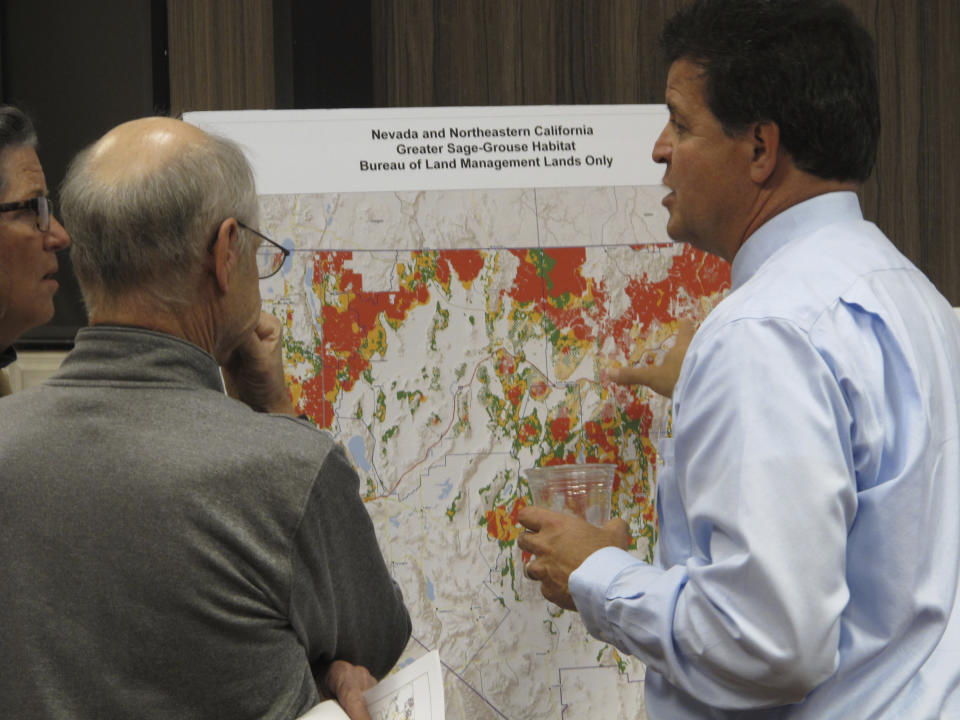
143,203
154,141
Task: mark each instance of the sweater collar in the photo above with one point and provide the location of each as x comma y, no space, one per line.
119,355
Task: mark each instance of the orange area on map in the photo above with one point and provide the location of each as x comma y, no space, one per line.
502,523
466,263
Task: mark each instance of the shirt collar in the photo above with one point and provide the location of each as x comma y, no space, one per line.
795,222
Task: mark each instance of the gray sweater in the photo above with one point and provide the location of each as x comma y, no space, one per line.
166,552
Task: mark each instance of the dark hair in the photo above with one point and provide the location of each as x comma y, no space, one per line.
806,65
16,130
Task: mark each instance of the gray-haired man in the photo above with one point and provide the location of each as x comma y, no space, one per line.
165,550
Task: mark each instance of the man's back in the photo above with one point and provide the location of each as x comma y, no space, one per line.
167,552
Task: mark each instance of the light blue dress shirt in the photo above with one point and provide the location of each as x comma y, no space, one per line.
809,499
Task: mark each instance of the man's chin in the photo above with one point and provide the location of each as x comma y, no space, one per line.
675,230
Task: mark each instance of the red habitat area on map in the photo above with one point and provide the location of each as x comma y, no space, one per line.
548,281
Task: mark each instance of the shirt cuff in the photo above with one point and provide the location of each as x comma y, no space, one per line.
589,585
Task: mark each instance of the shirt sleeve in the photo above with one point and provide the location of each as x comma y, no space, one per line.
344,603
755,511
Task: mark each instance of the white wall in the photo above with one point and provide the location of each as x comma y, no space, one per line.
33,367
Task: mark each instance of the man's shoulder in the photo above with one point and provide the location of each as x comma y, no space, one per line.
242,443
298,432
284,434
811,274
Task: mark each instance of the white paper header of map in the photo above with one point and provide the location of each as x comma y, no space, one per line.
396,149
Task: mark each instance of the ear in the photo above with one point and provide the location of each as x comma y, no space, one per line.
226,253
764,139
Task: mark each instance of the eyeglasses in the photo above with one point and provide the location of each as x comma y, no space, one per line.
270,255
42,206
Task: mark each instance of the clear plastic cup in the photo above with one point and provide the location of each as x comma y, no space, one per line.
583,489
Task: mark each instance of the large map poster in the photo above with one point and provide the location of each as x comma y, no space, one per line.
450,336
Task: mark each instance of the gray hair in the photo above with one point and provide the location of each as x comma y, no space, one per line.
16,130
146,234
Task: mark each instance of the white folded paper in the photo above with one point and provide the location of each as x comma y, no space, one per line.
412,693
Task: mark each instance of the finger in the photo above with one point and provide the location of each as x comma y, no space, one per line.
525,541
619,531
530,517
558,597
268,326
632,375
619,524
527,573
355,707
343,676
533,570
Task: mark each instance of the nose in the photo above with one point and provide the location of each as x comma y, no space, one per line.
56,238
662,149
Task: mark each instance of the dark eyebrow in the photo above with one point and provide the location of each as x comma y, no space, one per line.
674,113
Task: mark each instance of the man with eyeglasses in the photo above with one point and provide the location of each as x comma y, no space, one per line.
30,236
168,551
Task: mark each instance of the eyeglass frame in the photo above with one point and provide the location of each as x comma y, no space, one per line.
35,204
278,246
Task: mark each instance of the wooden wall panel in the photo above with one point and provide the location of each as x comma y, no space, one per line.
403,50
221,54
475,52
495,52
914,193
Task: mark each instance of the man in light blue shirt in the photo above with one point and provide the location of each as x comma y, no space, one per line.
809,499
